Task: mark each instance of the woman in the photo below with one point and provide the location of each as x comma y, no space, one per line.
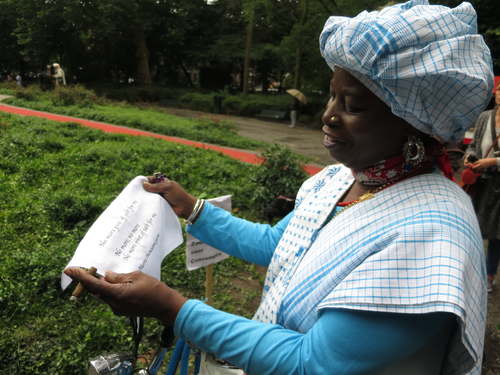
379,267
483,156
59,75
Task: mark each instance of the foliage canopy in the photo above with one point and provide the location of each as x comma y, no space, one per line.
165,41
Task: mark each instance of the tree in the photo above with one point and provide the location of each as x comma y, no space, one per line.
7,39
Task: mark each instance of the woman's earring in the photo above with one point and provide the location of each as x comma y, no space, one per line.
413,153
333,118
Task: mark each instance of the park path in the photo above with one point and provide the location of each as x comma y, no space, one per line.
302,139
238,154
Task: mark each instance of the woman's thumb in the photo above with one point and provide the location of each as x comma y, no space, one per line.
116,278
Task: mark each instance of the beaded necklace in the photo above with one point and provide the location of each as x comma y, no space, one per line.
392,170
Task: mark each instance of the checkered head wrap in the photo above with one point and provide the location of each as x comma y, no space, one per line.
426,62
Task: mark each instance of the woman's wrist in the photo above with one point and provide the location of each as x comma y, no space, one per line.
187,207
492,162
176,301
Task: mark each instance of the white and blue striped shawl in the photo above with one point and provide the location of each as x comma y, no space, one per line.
413,248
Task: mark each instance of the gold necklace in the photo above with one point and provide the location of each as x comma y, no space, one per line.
368,195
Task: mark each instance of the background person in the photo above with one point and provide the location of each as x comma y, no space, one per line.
59,75
483,155
379,267
19,80
294,112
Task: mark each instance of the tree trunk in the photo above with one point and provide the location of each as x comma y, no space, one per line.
298,63
142,57
186,73
298,55
248,46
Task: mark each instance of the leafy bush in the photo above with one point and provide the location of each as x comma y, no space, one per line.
136,94
8,88
198,101
29,93
280,174
73,95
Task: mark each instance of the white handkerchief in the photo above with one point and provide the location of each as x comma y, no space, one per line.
135,232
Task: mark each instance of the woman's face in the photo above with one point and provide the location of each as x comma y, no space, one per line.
363,130
497,95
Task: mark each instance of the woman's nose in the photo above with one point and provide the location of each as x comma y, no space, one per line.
329,113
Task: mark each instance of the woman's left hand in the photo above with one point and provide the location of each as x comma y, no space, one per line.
482,164
133,294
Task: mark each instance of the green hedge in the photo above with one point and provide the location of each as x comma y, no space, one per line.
234,104
7,88
137,94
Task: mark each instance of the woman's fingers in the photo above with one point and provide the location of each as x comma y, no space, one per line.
157,187
132,294
93,284
181,201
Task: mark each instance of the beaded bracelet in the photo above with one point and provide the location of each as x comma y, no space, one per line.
198,206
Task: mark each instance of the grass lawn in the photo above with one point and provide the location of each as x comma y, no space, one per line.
54,182
157,121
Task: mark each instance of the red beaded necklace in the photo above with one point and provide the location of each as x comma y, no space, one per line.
384,174
390,171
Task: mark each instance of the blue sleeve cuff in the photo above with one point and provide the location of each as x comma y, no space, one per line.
202,217
183,314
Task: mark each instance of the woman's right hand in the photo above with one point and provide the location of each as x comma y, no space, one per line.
179,199
133,294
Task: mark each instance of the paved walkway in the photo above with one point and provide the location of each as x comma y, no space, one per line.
302,139
242,155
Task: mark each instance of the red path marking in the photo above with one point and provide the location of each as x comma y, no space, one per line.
245,156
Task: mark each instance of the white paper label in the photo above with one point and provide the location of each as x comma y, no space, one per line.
135,232
199,254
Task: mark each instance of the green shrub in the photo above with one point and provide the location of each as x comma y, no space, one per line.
8,88
198,101
232,104
73,95
280,174
29,93
136,94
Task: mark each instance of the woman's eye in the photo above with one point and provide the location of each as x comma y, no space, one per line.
352,107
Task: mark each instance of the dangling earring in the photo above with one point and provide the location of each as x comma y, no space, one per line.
413,153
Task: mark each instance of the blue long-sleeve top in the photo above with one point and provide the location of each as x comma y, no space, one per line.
340,342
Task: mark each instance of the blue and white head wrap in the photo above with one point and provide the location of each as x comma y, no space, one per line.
426,62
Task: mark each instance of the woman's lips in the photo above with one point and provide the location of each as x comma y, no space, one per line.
330,141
